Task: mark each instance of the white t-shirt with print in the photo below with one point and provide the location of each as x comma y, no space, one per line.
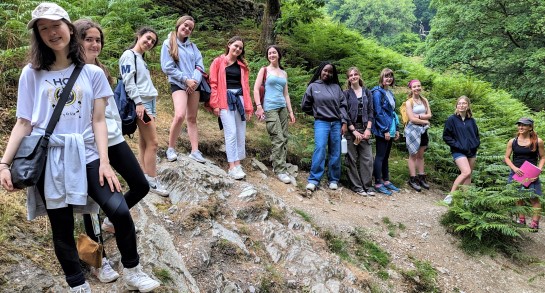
39,91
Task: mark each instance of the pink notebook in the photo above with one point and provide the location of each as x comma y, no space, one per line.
530,171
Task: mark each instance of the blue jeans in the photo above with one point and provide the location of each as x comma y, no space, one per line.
326,134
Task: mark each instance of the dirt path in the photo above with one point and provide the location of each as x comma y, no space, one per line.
423,238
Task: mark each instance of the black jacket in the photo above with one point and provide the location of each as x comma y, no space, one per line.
461,136
352,106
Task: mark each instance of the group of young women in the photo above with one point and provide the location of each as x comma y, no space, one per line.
91,119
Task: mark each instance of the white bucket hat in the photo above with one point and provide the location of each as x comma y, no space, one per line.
47,10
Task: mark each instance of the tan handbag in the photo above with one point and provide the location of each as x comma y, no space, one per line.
89,251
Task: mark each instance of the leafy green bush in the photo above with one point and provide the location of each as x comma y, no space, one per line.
483,218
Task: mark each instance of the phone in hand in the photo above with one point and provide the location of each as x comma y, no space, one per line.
146,118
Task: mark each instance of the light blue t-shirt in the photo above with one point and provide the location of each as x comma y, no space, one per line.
274,93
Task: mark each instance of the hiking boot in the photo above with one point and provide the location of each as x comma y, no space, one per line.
108,226
136,279
106,273
391,186
197,156
333,186
284,178
235,173
534,226
422,181
156,187
382,189
311,187
171,155
85,288
413,182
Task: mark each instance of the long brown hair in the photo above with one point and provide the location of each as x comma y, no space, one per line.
386,72
82,26
173,51
241,56
468,111
348,83
42,57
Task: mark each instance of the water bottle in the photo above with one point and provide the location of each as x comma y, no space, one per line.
344,146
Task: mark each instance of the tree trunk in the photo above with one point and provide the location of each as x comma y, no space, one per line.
270,14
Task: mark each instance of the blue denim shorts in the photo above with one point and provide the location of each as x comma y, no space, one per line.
534,186
151,107
456,156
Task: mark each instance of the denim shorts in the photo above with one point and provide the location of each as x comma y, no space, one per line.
534,186
455,156
151,107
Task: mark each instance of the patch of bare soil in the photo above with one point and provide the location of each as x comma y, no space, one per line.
421,236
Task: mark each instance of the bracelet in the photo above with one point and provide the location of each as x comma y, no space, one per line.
5,164
257,105
419,117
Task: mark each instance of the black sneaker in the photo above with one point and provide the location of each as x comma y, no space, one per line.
422,181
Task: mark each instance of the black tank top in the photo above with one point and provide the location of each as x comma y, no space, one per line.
521,154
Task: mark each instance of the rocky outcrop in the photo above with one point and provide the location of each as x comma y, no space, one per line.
217,235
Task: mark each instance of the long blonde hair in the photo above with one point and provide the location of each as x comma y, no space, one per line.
468,111
173,51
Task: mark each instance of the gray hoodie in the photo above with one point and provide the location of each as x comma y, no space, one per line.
325,101
189,57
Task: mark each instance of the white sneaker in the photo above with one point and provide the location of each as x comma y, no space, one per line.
284,178
239,168
136,279
107,226
311,187
106,273
448,199
156,187
333,186
197,156
171,155
85,288
235,173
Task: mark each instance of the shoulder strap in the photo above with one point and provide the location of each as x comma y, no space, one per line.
62,101
135,67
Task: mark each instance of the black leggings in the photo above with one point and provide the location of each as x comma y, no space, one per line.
62,226
382,153
122,159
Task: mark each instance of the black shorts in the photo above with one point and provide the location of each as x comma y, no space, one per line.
174,87
424,139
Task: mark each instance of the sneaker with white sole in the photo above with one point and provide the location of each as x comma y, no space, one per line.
85,288
156,187
235,173
108,226
136,279
197,156
239,168
171,155
311,187
362,193
448,199
371,191
333,186
284,178
106,273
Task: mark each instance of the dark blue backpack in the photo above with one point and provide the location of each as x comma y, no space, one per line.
126,106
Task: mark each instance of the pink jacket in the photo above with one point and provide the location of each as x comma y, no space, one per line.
218,84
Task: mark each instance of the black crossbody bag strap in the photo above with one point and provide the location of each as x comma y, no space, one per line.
62,101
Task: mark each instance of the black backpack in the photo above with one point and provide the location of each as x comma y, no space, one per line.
125,105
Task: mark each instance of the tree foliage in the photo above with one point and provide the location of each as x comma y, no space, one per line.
391,22
499,40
